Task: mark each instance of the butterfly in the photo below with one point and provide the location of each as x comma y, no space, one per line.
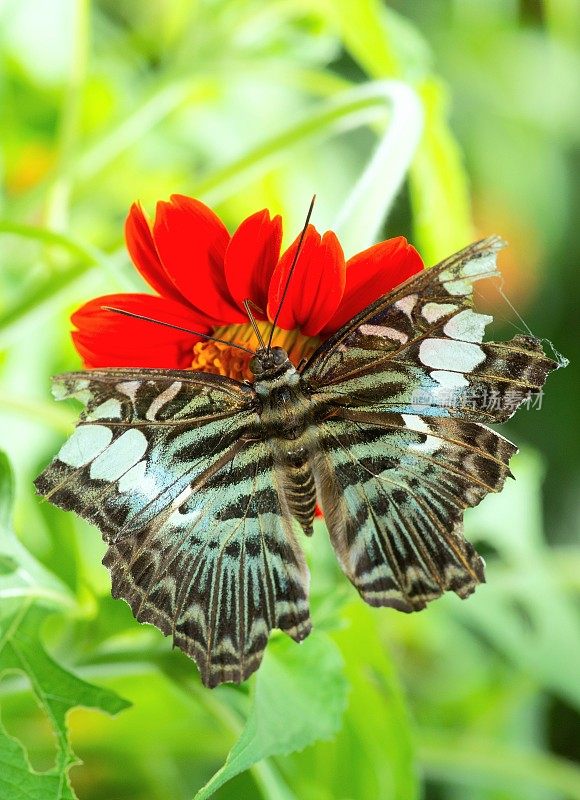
199,483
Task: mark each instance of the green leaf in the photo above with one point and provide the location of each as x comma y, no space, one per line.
28,592
378,713
57,691
366,36
22,578
376,734
484,763
299,697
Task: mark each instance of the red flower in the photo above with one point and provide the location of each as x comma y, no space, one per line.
202,276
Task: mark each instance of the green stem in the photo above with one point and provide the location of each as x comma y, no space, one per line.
39,304
48,237
59,193
57,286
15,622
30,594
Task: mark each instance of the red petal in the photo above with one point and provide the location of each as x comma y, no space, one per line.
158,357
107,339
373,273
251,258
191,241
144,255
316,286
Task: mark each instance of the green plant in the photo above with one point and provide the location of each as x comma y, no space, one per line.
247,105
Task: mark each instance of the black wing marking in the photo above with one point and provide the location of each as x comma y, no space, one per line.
419,350
393,490
200,538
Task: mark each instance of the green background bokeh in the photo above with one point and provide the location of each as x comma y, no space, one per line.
260,104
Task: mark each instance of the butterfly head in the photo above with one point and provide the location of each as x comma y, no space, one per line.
269,362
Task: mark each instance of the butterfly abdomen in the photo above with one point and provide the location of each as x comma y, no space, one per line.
297,479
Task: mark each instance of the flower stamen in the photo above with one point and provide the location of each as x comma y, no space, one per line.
221,359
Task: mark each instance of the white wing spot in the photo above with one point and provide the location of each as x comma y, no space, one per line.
85,444
181,498
110,409
407,304
162,399
134,478
129,388
384,332
120,456
484,265
450,380
458,287
415,423
467,326
447,354
434,311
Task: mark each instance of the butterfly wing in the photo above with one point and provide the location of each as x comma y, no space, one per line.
201,545
405,388
419,350
393,491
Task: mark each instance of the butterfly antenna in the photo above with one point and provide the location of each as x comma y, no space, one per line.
292,268
176,327
247,303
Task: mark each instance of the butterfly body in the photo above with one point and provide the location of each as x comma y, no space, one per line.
196,480
287,423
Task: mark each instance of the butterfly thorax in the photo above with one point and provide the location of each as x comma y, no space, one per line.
286,417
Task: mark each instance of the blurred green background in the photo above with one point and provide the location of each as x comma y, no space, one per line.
249,104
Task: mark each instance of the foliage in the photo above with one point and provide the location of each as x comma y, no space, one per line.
298,698
27,592
437,121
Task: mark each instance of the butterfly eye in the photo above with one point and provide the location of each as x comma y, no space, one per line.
279,355
255,366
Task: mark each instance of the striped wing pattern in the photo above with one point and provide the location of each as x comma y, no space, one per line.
200,542
196,480
408,384
393,490
419,350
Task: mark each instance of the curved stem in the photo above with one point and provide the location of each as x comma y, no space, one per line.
360,220
345,111
362,213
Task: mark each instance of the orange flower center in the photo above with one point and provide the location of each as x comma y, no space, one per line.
224,360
